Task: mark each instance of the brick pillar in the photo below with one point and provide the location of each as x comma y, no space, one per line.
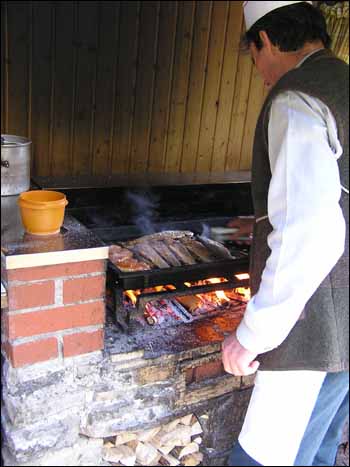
54,312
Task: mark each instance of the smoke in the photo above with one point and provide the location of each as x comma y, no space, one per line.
144,213
205,231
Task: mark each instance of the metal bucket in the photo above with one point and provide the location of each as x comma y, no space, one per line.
15,164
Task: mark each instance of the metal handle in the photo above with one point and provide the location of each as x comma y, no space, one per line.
5,164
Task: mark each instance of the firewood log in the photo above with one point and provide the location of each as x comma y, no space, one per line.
147,435
146,454
196,429
186,420
193,459
189,449
125,437
123,454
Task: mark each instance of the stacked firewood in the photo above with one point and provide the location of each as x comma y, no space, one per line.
176,444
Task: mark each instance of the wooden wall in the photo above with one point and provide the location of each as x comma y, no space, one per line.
106,87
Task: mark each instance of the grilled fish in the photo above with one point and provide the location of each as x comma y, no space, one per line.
131,265
163,249
198,249
145,250
218,250
167,234
180,251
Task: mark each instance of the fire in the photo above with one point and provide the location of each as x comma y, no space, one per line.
219,293
198,304
245,291
240,277
132,295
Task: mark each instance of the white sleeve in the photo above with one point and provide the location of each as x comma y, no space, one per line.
308,234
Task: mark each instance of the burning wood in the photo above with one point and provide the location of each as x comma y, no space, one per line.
176,443
185,308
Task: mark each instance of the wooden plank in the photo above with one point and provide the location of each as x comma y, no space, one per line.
4,68
239,111
179,93
125,93
144,86
212,85
196,86
256,94
85,86
227,88
18,44
65,49
164,69
105,85
43,56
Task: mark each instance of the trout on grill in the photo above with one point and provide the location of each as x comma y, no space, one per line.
167,234
219,251
180,251
198,249
145,250
117,253
166,253
131,265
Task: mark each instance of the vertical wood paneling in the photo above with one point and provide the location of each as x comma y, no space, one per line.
42,87
65,50
164,69
18,45
180,85
212,85
85,87
117,87
105,85
4,68
227,88
144,86
196,86
125,92
239,110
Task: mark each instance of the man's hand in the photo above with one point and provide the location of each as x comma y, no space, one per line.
245,229
236,359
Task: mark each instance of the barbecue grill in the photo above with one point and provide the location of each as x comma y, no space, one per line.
109,212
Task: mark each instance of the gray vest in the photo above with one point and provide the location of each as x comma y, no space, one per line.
320,338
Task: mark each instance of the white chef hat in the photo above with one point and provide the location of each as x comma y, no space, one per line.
256,10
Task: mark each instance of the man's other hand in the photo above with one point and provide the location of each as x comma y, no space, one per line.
236,359
244,226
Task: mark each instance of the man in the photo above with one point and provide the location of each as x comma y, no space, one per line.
295,329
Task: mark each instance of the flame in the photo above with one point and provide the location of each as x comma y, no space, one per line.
208,301
240,277
219,293
245,291
132,295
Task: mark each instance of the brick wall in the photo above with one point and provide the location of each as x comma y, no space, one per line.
54,312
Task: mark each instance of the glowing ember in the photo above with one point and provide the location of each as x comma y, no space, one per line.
221,294
165,309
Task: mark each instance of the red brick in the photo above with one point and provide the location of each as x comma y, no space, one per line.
86,288
208,370
5,324
31,295
31,352
58,270
56,319
82,342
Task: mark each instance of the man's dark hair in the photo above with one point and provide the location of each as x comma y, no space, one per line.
289,28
